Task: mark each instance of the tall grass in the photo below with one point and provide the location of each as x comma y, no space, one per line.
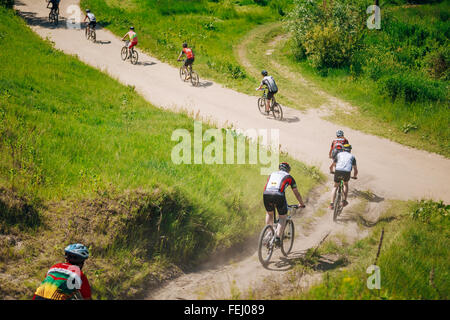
413,260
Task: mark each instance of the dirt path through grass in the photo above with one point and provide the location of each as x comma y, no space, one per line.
388,169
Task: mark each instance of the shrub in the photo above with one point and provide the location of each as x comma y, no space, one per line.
328,38
7,3
413,88
436,63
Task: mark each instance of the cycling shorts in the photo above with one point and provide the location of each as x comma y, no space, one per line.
272,200
188,62
92,24
341,175
270,95
132,44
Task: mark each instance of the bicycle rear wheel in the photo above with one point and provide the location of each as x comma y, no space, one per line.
93,36
134,57
277,111
266,245
124,53
194,79
287,240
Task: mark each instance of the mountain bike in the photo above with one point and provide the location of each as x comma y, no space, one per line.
338,206
90,33
275,107
53,16
189,74
131,54
266,244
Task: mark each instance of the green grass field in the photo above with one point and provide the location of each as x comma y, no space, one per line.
413,258
86,159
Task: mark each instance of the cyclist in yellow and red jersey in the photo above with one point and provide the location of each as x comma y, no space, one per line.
133,38
190,57
65,281
337,144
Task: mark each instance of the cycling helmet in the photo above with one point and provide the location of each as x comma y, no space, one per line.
339,133
264,73
184,45
87,10
131,28
78,250
347,147
285,166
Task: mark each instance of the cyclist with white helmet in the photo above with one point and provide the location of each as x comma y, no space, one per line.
274,197
336,145
65,281
343,164
272,88
92,19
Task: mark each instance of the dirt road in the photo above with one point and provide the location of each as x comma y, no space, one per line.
388,169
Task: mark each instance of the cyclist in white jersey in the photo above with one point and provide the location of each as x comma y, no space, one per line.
274,196
343,163
92,19
269,82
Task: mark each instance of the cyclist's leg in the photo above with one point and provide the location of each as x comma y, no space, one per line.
282,215
334,191
270,208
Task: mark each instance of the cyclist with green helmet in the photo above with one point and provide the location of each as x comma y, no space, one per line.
274,197
65,281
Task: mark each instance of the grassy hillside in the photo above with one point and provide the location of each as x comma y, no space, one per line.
398,75
86,159
413,259
212,28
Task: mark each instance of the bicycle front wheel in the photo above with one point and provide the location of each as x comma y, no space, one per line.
266,245
277,111
124,53
183,73
194,79
262,106
134,57
337,204
287,240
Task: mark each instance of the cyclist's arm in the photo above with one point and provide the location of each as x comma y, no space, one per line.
355,169
333,165
126,34
181,54
298,196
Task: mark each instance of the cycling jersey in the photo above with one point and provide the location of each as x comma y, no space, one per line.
344,161
188,52
278,181
91,17
337,141
133,36
62,282
270,83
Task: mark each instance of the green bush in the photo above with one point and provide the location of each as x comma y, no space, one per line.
413,88
328,38
7,3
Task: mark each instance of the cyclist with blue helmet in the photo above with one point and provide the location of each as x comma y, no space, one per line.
65,281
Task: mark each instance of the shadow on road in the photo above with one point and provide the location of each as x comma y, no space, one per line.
323,263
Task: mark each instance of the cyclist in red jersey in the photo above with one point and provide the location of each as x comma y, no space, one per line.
336,145
65,281
190,57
